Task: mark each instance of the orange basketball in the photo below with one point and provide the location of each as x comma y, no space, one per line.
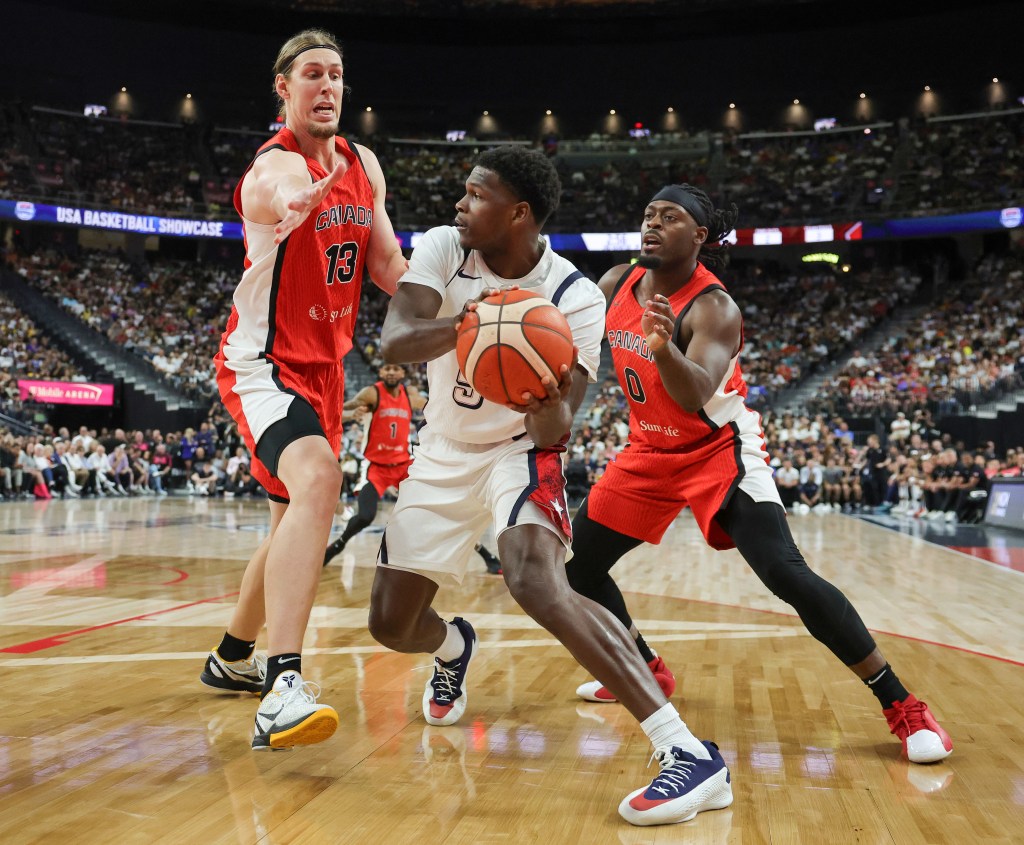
510,342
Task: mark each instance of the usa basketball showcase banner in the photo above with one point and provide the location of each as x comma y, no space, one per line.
121,221
66,392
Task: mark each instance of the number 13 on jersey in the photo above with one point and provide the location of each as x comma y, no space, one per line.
342,266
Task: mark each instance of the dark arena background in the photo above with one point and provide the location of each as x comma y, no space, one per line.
875,151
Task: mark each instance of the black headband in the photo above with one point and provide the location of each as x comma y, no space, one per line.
298,53
673,193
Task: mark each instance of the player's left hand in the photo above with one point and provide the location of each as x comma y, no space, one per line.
555,392
657,322
304,201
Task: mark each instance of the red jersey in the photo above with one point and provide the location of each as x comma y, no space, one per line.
387,439
656,421
297,302
293,313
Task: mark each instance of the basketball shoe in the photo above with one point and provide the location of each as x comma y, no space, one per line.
924,740
444,697
595,691
289,715
333,550
684,787
235,676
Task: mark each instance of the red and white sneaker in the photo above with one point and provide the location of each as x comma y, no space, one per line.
685,786
924,740
595,691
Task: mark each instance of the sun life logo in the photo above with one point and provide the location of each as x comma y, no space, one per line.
318,312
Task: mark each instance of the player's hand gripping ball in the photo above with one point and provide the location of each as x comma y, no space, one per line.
509,342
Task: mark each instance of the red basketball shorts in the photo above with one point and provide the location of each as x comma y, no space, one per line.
382,476
643,489
257,394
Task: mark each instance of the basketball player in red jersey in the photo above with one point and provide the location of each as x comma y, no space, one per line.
675,335
312,207
392,405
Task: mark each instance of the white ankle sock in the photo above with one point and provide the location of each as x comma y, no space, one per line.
664,727
453,646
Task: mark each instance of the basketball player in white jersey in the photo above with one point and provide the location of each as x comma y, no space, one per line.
481,463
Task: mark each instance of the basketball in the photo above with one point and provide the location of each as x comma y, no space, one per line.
510,342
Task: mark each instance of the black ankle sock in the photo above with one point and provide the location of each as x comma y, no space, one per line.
278,664
232,648
645,650
886,687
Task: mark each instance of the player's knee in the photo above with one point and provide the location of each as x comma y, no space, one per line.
791,580
322,482
533,586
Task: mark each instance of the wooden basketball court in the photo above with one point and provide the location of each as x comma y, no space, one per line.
108,608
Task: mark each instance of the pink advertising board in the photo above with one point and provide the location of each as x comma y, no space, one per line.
66,392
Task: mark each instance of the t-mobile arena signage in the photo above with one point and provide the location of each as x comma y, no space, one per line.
66,392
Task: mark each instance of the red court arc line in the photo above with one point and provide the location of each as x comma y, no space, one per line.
1009,660
58,639
179,574
182,576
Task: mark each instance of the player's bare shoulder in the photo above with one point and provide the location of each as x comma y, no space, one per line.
611,278
715,315
716,306
371,165
268,166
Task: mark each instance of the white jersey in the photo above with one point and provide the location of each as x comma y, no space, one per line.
439,261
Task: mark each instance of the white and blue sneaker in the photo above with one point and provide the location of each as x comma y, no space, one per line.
289,715
235,675
684,787
444,697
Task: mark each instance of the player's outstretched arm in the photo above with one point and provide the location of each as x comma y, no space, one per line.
711,337
280,190
275,177
367,397
384,259
364,402
297,203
